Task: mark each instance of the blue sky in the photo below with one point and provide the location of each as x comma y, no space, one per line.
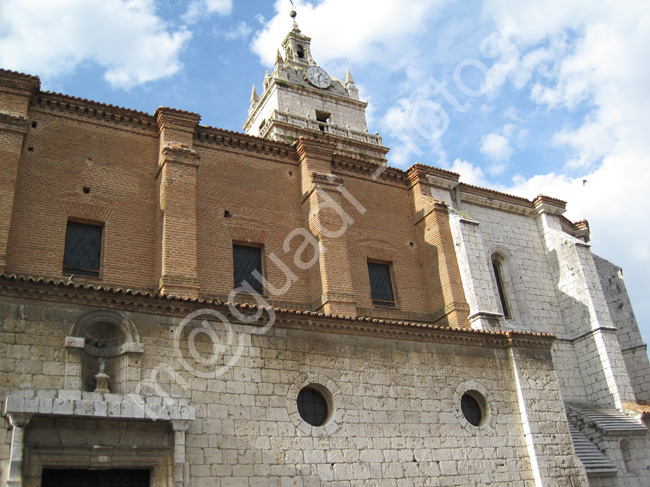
521,96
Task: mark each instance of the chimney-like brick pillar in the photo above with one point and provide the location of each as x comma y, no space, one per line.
16,91
439,256
330,278
177,173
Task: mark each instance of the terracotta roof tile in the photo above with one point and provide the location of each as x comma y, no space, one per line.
244,306
93,102
18,73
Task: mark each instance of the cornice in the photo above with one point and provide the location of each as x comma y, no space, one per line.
175,119
19,82
13,123
432,175
340,140
51,290
547,200
207,136
92,110
307,147
8,73
496,199
344,163
473,194
579,229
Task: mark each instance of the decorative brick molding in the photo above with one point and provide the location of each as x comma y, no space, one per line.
377,249
246,229
176,125
94,112
11,123
87,206
16,90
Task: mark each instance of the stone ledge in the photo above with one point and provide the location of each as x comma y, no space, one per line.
65,402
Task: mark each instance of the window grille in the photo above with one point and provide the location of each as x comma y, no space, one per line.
83,244
381,287
312,406
245,260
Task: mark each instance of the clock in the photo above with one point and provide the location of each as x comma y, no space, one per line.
318,77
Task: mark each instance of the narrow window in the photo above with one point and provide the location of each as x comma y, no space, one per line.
381,287
498,275
83,244
300,51
245,260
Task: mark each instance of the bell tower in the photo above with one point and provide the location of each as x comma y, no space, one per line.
296,47
300,99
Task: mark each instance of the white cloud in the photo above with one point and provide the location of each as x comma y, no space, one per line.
469,173
126,38
198,9
419,126
496,147
373,28
592,54
242,31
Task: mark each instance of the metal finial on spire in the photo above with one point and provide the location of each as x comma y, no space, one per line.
293,12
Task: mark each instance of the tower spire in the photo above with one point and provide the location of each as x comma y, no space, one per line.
293,14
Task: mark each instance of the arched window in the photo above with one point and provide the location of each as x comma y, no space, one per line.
501,288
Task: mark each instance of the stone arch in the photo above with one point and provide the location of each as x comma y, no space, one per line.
118,319
103,353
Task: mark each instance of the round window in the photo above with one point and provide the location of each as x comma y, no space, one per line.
471,409
312,406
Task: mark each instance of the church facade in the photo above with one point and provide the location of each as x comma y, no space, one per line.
182,305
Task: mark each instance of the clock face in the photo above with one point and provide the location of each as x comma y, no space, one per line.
318,77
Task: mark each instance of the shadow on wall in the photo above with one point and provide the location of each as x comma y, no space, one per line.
590,348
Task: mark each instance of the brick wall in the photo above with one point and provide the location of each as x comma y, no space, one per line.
103,165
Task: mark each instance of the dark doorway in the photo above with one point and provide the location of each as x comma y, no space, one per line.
95,478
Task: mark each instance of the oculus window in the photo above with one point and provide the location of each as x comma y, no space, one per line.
312,406
381,287
472,404
83,245
245,261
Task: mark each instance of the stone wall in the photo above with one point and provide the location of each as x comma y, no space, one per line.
635,352
395,404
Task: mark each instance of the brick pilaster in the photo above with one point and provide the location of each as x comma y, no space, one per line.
330,279
438,256
177,173
15,92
